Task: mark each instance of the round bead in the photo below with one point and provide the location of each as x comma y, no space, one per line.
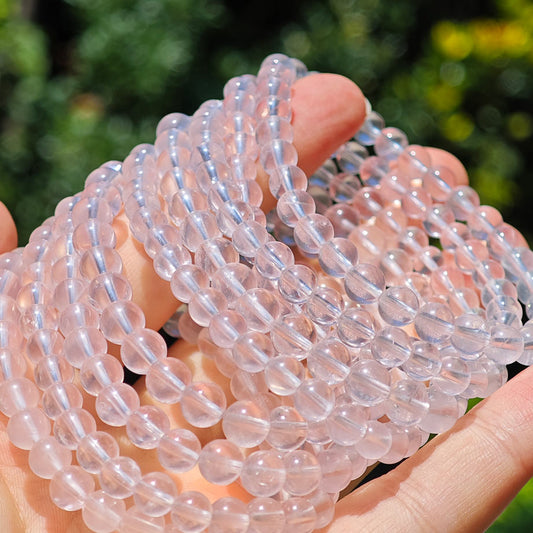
356,327
347,424
146,426
119,476
288,429
203,404
229,515
99,371
284,374
434,323
155,493
302,472
27,427
102,513
116,403
179,450
296,283
70,487
95,449
391,346
246,423
376,442
166,380
329,361
191,512
336,470
300,515
398,306
220,462
368,383
252,351
407,403
47,457
120,318
364,283
424,363
142,348
263,473
314,400
266,515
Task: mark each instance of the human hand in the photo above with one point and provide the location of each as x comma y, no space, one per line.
460,481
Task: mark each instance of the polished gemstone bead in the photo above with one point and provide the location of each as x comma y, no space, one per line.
146,426
229,515
220,462
47,456
191,512
347,424
434,323
294,205
329,361
300,515
266,515
398,306
368,383
338,256
252,351
407,403
391,346
284,374
70,487
102,513
27,427
263,473
364,283
95,449
314,400
155,493
121,318
61,397
453,377
116,402
203,404
356,327
302,472
246,423
287,429
424,362
73,425
118,476
99,371
297,283
293,334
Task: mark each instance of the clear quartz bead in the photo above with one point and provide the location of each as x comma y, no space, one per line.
284,374
94,449
70,487
191,512
166,380
263,473
178,450
364,283
300,515
119,319
155,493
391,346
314,400
266,515
229,516
303,472
336,471
102,513
368,383
141,349
203,404
220,462
118,476
47,457
288,429
147,426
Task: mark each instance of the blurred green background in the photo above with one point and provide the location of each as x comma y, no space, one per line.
83,81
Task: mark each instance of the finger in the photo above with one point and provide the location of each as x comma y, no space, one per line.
461,480
327,110
8,231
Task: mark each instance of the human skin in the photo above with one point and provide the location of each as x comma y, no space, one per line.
460,481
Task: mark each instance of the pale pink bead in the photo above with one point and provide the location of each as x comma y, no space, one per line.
184,201
246,423
226,328
27,427
197,227
370,242
39,271
169,258
70,487
416,202
203,404
314,400
206,304
108,288
36,317
288,429
120,318
392,220
34,251
146,426
191,512
247,386
263,473
297,283
83,343
134,521
9,283
166,380
116,403
11,365
52,369
174,177
102,513
329,361
294,335
266,515
249,237
188,329
34,293
99,371
187,280
160,236
95,449
73,425
346,424
293,205
336,471
376,442
77,315
18,394
93,233
99,260
252,351
60,397
303,472
119,476
442,414
300,515
142,348
273,258
368,202
400,444
8,309
10,337
66,267
155,493
91,208
220,462
313,231
233,280
47,456
13,260
229,514
260,307
179,450
44,343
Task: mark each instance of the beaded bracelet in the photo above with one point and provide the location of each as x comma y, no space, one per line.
351,357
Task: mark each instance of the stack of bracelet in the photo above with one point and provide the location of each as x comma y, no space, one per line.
350,357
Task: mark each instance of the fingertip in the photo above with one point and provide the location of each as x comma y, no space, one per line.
8,230
440,157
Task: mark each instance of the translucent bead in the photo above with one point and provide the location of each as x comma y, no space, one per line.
226,328
343,187
297,283
146,426
407,403
364,283
260,307
102,513
99,371
141,349
414,160
372,170
234,280
437,220
453,377
434,323
177,121
356,327
391,347
68,267
35,293
442,414
483,221
350,156
187,280
47,457
191,512
249,237
206,304
527,334
368,383
166,380
273,258
215,253
32,319
463,202
329,361
119,476
287,429
73,425
338,256
273,127
347,424
108,288
119,319
169,258
18,394
284,374
314,400
9,283
252,351
155,493
93,233
294,205
59,398
398,306
300,515
293,334
302,472
497,287
424,362
229,516
70,487
116,403
95,449
391,143
203,404
324,306
198,227
266,516
311,232
506,344
439,182
134,521
246,423
286,178
263,473
179,450
370,129
504,310
377,441
11,366
336,470
220,462
77,315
